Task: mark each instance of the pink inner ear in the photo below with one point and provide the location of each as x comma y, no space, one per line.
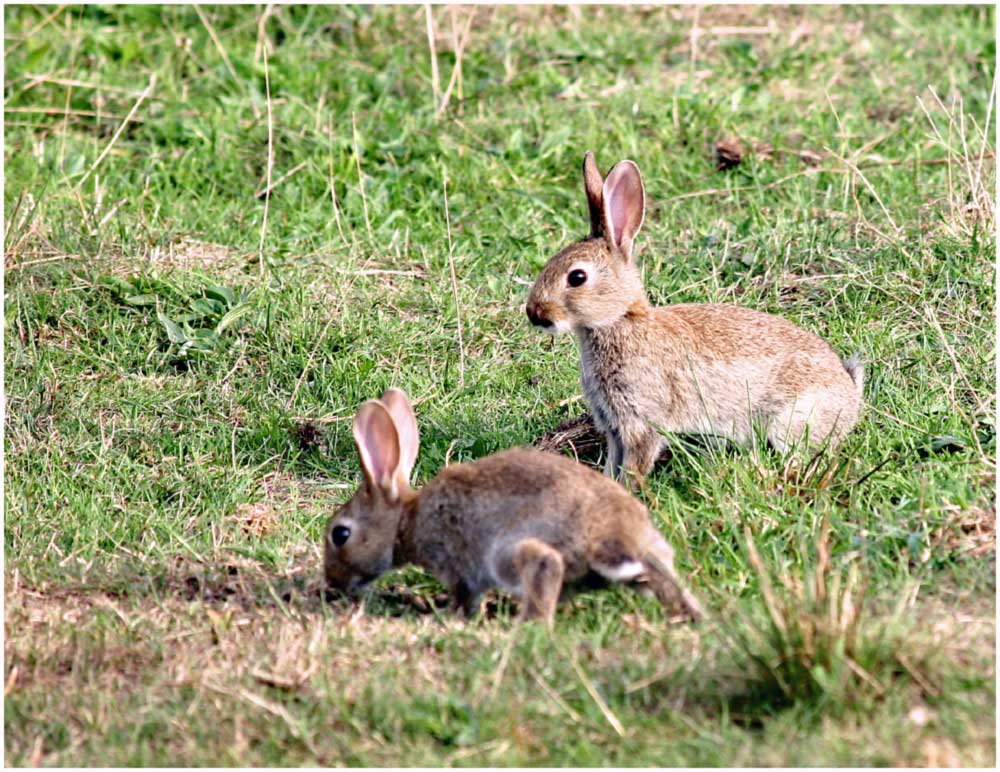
619,215
398,405
623,198
377,442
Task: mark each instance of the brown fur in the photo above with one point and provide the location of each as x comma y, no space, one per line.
693,368
523,520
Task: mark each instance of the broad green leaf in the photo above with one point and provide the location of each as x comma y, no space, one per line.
174,333
232,317
207,307
221,293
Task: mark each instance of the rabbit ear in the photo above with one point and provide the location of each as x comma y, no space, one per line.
593,186
398,405
378,445
624,206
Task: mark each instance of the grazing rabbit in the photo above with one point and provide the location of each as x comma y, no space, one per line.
523,520
694,368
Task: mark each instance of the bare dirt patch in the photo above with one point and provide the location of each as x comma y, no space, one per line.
975,532
256,519
188,254
577,435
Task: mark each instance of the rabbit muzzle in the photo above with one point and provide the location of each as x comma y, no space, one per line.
536,315
541,316
349,582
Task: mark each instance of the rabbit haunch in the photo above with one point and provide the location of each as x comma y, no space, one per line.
523,520
693,368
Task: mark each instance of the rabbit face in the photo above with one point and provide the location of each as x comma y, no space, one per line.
359,541
585,285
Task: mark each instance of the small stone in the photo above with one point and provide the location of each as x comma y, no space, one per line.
728,154
920,715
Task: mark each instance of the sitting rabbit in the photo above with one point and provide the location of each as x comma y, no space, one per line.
523,520
698,368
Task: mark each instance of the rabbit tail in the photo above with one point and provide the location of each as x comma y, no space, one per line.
856,370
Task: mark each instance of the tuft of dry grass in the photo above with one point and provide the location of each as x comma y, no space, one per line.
816,642
971,189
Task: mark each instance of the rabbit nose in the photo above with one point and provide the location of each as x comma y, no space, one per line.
536,318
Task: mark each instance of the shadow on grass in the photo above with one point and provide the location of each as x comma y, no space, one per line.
247,585
579,438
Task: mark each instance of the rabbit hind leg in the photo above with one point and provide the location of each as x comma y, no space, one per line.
539,569
661,577
793,426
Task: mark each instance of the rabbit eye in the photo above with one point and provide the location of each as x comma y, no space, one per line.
339,535
576,278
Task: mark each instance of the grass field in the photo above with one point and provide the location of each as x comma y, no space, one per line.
185,346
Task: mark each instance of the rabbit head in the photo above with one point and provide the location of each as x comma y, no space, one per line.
361,536
594,282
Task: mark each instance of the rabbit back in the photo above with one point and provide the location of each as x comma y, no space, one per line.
715,369
471,515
